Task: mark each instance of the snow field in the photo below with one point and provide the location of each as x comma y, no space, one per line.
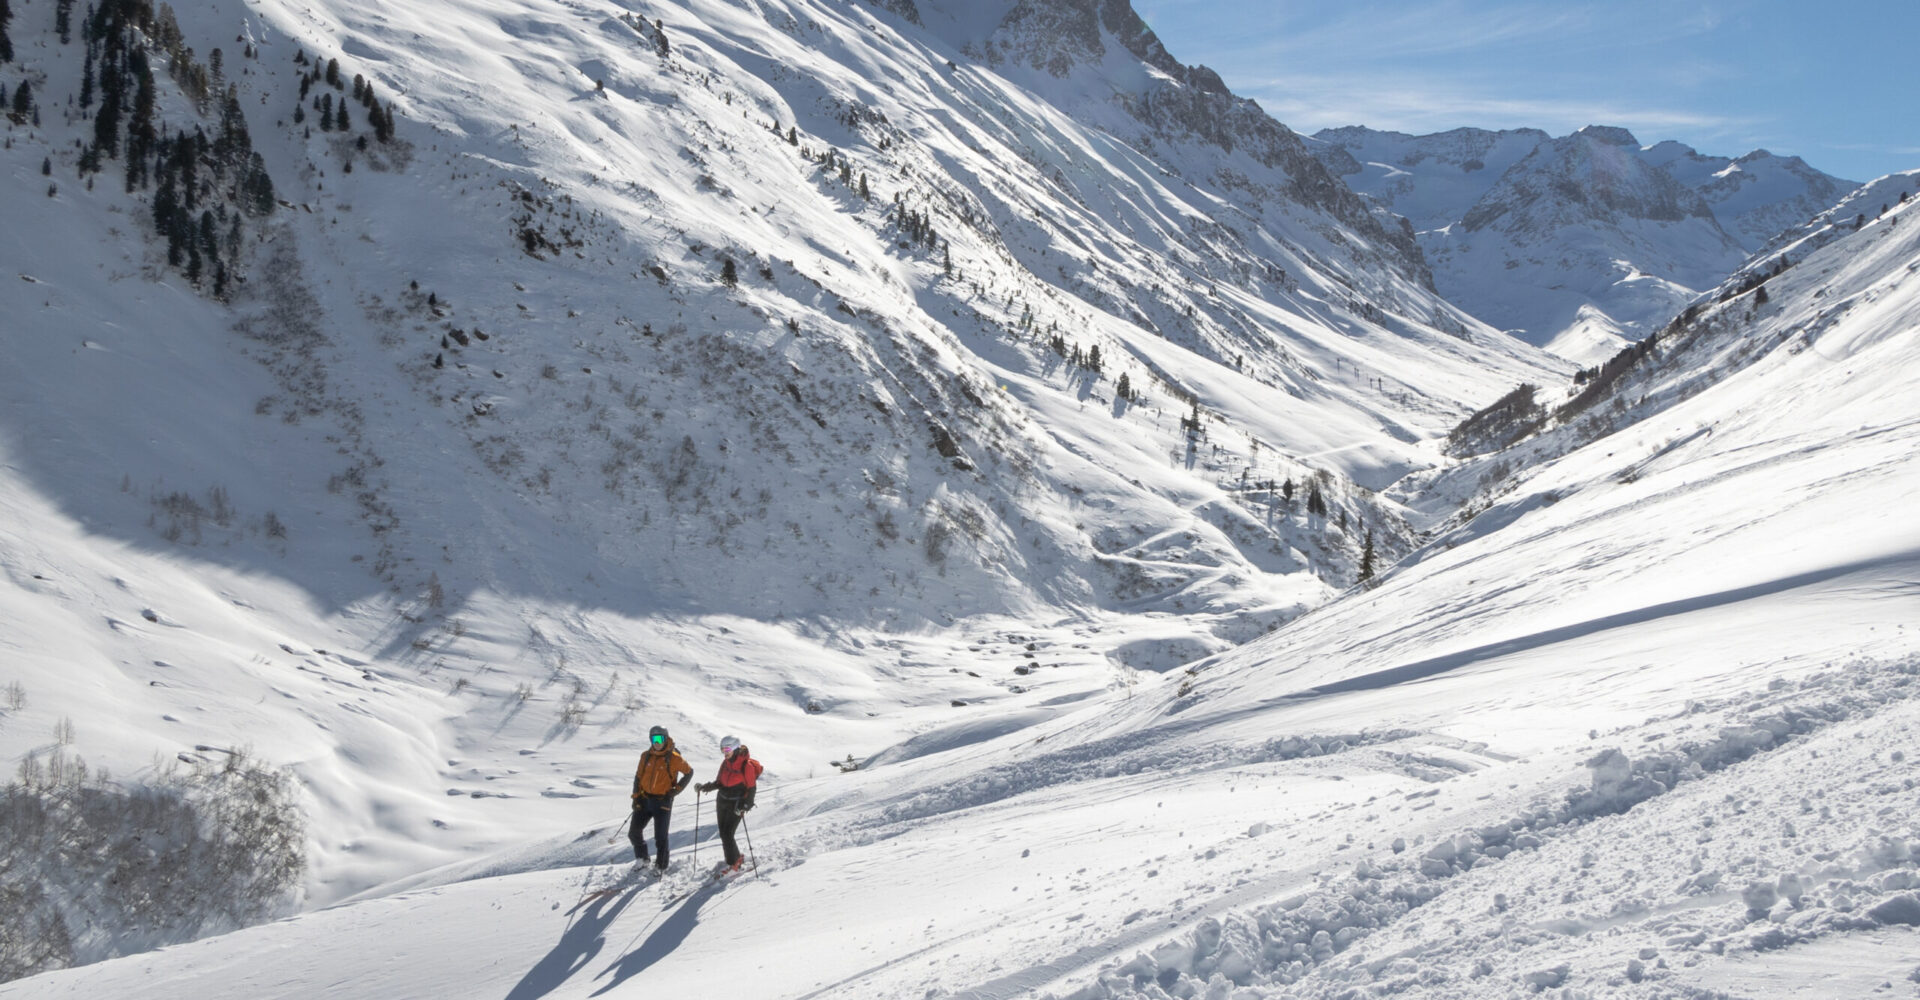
493,579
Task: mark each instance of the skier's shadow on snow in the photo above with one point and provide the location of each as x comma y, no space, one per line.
661,943
581,943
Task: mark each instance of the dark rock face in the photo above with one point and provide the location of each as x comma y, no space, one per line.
902,8
1069,31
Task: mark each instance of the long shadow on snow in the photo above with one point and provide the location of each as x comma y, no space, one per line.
1420,670
582,941
661,943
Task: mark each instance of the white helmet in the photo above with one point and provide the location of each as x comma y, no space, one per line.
728,744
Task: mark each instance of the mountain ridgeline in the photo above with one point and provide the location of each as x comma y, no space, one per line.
1582,242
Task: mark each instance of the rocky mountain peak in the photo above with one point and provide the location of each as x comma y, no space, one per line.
1612,135
1183,116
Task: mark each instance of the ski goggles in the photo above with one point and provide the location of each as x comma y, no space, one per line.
659,739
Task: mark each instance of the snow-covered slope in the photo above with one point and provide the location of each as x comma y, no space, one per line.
1627,732
625,363
484,465
1580,243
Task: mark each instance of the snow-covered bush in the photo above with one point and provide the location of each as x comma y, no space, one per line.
92,868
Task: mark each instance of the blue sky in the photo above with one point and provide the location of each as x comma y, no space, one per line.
1835,82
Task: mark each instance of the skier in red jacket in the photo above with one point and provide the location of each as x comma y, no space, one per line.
739,773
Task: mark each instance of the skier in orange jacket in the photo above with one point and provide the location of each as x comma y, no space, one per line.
662,774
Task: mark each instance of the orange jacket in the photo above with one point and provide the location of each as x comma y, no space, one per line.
656,775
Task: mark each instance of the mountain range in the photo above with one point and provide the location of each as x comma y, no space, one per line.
1581,243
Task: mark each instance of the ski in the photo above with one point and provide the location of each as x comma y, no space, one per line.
722,872
634,878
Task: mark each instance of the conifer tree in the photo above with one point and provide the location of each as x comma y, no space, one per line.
729,276
256,190
140,130
6,44
106,124
1366,559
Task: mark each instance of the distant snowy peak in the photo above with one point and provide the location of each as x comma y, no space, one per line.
1436,179
1612,135
1584,241
1594,176
1432,180
1758,195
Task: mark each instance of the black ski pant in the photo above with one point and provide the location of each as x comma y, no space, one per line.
658,810
726,814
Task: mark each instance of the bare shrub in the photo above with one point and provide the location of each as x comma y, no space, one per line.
91,868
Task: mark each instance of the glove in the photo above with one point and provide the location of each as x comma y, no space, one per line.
706,786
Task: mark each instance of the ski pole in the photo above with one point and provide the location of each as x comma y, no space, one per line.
696,829
749,832
623,825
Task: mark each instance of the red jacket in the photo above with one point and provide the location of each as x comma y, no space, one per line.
739,774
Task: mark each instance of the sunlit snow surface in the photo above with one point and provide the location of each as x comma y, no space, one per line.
1644,727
